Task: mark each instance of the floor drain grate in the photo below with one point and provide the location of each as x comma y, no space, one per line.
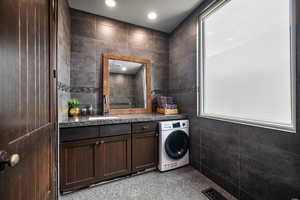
213,194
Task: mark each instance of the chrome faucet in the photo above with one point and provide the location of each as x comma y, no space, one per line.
105,104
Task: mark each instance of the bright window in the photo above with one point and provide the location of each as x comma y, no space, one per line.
246,65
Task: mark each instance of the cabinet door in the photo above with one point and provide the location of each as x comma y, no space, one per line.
114,157
77,164
144,151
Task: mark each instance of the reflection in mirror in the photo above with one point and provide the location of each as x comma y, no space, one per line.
127,84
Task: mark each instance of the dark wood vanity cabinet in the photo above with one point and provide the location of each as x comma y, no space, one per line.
116,150
144,146
87,161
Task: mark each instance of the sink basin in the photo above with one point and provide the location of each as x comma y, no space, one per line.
103,117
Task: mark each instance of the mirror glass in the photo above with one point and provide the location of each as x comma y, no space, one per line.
127,84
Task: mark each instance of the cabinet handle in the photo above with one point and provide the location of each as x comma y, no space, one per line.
99,142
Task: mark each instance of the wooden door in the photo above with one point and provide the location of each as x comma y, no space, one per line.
27,93
77,167
114,157
144,151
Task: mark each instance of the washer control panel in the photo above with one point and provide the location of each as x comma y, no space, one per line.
174,124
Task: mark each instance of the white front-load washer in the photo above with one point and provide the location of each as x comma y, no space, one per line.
173,144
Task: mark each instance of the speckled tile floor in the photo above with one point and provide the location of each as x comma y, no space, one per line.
182,184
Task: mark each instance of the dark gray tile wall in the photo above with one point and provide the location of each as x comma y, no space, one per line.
250,162
63,57
94,35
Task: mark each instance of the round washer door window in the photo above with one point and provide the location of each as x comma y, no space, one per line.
177,144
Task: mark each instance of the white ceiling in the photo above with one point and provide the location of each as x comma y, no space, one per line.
170,12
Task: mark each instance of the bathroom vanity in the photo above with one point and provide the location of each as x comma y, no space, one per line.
95,149
124,142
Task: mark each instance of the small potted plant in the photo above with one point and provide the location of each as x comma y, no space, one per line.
73,107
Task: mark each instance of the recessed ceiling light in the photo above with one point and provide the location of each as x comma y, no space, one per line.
110,3
152,15
124,68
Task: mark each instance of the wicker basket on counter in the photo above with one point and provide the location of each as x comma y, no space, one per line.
166,105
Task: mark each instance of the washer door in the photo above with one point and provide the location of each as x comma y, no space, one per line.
177,144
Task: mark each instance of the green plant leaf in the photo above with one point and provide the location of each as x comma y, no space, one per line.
73,103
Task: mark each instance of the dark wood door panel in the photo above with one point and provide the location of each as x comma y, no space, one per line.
114,157
78,164
144,151
27,98
24,55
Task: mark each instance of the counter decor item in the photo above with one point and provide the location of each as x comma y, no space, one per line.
74,111
90,110
166,105
83,111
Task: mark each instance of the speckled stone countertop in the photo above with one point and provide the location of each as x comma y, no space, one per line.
85,121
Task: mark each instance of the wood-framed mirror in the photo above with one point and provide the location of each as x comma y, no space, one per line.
126,85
